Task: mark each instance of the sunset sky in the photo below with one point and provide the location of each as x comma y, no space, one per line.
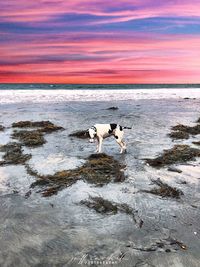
98,41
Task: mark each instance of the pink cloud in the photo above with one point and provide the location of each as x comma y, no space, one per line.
115,11
129,59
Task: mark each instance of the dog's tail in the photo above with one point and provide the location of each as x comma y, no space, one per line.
125,127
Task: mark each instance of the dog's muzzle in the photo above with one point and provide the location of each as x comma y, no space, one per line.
91,140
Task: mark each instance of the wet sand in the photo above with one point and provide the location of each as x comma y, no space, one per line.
59,231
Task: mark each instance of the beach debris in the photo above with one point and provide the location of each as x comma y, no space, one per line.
166,245
173,241
104,206
13,154
179,153
29,138
164,190
173,169
33,138
82,134
2,128
112,108
99,169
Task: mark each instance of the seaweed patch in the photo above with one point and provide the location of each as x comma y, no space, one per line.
104,206
82,134
29,138
179,135
164,190
46,126
181,131
13,154
177,154
33,138
99,169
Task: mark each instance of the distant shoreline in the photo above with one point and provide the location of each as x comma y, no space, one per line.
47,86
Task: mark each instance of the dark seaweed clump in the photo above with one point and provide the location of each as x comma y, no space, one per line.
46,126
29,138
164,190
33,138
179,135
193,130
179,153
99,169
196,143
112,108
181,131
13,154
104,206
100,205
82,134
2,128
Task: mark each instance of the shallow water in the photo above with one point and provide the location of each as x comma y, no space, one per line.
57,231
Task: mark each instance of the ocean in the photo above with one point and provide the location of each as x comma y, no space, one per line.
37,93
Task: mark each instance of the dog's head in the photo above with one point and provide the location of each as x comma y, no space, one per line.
92,133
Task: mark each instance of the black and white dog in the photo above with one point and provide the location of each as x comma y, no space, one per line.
102,131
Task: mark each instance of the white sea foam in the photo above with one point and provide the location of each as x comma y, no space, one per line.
39,96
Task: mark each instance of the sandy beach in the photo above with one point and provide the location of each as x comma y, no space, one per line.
58,230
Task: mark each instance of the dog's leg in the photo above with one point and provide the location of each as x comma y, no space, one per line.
124,146
121,145
100,144
119,136
97,149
